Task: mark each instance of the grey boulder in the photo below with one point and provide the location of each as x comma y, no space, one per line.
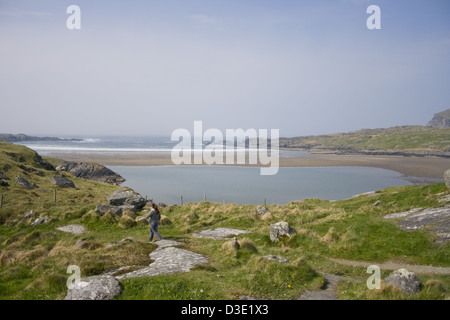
62,182
23,182
279,230
91,171
407,281
127,197
94,288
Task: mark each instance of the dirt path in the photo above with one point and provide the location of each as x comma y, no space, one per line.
390,265
328,290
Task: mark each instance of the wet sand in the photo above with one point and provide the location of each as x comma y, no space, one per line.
422,167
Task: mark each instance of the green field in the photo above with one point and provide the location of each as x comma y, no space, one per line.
34,260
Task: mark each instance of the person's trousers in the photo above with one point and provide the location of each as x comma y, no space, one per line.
154,231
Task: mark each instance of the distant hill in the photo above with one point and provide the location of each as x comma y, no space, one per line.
6,137
440,120
402,140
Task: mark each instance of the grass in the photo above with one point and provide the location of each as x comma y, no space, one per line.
404,138
34,260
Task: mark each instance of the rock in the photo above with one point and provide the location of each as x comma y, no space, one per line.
440,120
127,197
162,205
62,182
434,219
28,214
24,182
115,210
128,239
277,259
168,260
219,233
94,288
91,171
280,229
3,177
261,210
76,229
447,178
376,203
406,281
40,221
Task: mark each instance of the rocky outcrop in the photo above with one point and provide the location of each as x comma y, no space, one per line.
408,282
168,259
434,219
440,120
76,229
447,178
62,182
94,288
127,197
23,182
279,230
219,233
40,221
91,171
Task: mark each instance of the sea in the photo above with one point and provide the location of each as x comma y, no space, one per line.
226,184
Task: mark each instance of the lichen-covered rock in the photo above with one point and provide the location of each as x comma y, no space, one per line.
23,182
62,182
279,230
406,281
40,221
91,171
94,288
127,197
261,210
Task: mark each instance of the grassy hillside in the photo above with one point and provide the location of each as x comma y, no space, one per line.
405,138
34,260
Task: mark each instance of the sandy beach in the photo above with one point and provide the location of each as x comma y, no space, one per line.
422,167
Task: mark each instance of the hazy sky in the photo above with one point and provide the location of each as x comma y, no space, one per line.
150,67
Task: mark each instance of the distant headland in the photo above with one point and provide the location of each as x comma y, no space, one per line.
6,137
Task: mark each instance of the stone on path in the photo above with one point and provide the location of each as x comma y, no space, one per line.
94,288
219,233
62,182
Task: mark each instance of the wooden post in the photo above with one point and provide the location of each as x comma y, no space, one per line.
54,196
265,204
1,200
181,200
204,197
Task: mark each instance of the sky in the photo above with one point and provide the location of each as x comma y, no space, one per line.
305,67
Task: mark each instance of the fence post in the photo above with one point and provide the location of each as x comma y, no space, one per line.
1,200
181,200
204,197
265,204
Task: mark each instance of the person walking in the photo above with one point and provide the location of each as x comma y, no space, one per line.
154,217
